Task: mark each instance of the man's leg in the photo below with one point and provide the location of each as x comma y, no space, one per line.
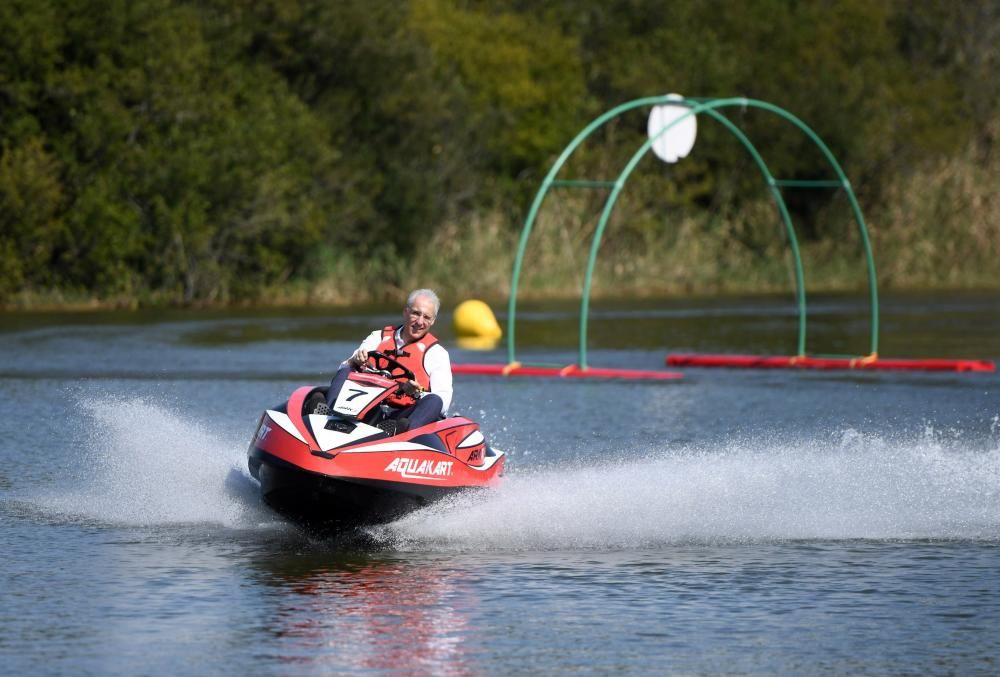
336,384
426,410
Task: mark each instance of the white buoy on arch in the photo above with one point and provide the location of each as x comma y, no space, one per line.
677,141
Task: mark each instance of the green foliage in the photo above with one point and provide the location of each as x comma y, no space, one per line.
188,173
30,201
525,79
189,152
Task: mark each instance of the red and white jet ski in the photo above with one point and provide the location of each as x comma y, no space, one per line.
346,467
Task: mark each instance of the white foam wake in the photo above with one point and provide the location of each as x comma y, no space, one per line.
852,487
143,464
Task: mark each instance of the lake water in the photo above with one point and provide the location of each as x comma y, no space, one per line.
734,522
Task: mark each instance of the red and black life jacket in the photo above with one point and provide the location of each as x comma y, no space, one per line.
410,356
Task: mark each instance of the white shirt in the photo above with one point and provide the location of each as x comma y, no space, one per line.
436,361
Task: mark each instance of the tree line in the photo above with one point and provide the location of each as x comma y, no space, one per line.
172,151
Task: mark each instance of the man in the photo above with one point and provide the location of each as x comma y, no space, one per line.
412,344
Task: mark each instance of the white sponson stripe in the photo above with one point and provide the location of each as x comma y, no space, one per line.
391,446
286,424
472,440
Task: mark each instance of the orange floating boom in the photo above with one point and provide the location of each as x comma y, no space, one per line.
570,371
808,362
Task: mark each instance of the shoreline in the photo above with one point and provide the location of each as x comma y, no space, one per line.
498,302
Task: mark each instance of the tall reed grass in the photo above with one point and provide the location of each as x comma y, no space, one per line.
939,226
936,227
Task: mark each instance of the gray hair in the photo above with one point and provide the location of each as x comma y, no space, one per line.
426,293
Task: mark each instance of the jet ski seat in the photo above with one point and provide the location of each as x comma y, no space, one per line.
315,403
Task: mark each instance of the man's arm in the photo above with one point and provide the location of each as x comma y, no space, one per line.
438,365
360,356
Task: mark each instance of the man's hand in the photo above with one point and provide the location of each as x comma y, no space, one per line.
358,359
412,388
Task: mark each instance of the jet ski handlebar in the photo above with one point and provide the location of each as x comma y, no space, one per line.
387,366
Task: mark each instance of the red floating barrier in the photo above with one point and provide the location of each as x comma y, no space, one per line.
570,371
808,362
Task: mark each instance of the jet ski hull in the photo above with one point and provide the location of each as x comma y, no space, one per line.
326,471
333,503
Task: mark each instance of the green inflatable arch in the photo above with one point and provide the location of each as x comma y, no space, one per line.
709,107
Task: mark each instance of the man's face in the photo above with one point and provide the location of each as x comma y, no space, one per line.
418,318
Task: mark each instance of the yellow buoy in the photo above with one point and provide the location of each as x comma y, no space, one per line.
476,326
